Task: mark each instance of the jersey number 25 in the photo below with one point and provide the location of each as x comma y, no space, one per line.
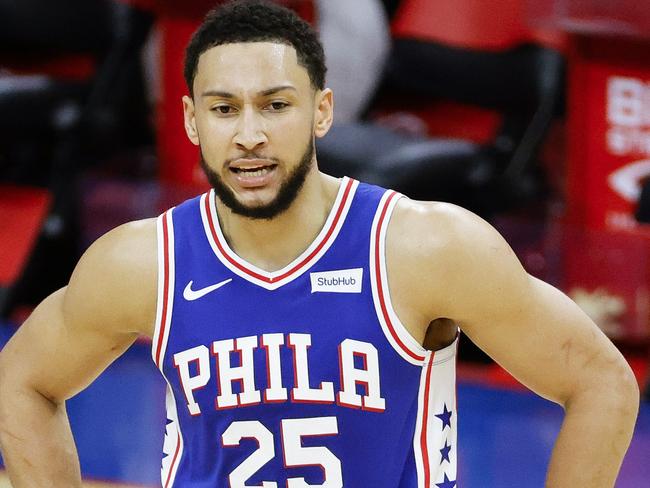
294,453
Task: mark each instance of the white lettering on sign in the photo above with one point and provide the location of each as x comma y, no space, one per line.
627,181
628,113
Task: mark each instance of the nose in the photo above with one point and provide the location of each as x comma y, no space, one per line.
250,134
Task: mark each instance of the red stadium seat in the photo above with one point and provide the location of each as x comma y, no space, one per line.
473,24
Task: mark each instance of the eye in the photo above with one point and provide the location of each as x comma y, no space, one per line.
223,109
277,106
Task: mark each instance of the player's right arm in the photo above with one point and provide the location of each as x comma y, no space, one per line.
69,339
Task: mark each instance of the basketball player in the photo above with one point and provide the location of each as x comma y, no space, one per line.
306,325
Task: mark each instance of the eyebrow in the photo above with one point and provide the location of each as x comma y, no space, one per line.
276,89
264,93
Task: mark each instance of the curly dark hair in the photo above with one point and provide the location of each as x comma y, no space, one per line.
257,21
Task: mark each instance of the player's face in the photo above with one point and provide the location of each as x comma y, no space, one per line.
255,114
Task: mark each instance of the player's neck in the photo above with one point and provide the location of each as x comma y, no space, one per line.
272,244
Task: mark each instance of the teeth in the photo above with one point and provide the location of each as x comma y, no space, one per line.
254,172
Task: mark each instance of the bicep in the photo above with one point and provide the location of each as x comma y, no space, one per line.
55,355
541,337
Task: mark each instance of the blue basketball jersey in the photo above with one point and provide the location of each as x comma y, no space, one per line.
302,377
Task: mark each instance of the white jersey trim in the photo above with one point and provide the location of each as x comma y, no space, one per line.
173,442
396,334
437,393
166,276
276,279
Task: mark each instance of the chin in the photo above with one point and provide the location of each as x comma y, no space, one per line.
254,199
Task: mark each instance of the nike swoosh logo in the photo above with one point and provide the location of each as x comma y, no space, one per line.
191,295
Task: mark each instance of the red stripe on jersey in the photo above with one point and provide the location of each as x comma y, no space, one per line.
171,466
163,315
297,267
380,289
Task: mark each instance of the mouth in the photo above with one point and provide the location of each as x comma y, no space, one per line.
253,173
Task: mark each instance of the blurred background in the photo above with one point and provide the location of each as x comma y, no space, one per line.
535,114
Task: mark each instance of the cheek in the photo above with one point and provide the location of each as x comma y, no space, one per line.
295,131
290,144
214,135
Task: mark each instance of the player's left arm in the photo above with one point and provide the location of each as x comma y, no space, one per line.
537,334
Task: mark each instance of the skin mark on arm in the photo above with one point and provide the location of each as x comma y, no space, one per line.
569,348
566,348
593,357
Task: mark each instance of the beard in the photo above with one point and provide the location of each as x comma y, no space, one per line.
287,193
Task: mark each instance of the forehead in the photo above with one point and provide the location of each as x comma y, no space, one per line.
249,66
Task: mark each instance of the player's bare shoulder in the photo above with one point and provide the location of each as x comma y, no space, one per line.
439,251
421,242
428,234
115,283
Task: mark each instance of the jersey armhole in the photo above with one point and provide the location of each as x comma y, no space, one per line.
396,334
166,276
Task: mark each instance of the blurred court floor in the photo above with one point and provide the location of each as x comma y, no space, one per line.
505,434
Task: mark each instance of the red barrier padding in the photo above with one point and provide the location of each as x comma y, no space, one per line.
606,250
22,211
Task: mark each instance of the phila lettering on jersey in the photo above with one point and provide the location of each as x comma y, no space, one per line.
299,377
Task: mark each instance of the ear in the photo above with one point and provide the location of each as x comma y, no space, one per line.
190,120
324,114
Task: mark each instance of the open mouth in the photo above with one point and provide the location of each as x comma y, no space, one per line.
255,171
